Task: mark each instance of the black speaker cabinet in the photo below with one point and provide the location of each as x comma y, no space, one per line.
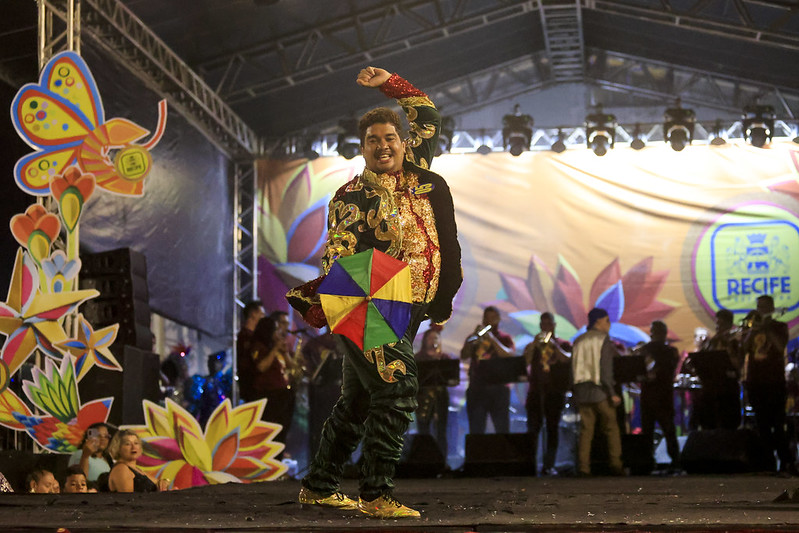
138,381
421,457
121,278
725,451
499,454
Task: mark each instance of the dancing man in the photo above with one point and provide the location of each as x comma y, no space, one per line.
401,208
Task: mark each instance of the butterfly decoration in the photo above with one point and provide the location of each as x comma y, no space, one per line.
62,118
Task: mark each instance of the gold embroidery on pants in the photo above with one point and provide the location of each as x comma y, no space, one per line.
386,371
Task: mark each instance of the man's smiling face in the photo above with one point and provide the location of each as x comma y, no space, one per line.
383,149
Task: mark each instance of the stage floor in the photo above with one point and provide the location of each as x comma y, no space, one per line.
685,503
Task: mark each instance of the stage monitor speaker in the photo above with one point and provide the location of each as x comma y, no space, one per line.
637,454
138,381
120,276
499,454
725,451
421,457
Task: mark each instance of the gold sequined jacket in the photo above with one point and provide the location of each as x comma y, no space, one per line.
408,215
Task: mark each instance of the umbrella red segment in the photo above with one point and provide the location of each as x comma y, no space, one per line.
367,298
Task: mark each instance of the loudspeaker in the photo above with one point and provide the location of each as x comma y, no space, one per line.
138,381
725,451
421,457
121,278
499,454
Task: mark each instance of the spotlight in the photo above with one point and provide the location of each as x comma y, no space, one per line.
678,126
638,142
517,132
758,124
559,146
348,144
600,131
717,139
445,133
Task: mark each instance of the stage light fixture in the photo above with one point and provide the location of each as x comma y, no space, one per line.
717,139
517,132
348,144
758,124
559,146
445,133
638,142
600,131
678,126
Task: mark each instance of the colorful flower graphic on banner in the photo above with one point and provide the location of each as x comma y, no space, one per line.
631,299
58,271
293,229
72,190
62,118
54,392
92,348
236,445
30,318
36,230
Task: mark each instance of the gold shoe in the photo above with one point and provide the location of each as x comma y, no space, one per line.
386,507
338,500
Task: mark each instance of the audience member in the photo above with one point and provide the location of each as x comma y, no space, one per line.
41,482
126,476
594,391
75,481
482,397
549,375
93,456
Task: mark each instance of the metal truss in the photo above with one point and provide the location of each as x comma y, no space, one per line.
762,21
490,140
245,253
562,23
351,41
114,27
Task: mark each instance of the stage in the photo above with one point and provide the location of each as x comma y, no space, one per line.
650,503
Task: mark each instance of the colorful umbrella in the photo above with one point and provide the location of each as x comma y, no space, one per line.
367,298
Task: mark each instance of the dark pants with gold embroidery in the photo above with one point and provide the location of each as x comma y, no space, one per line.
377,403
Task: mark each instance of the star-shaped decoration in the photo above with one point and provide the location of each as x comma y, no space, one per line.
29,318
92,348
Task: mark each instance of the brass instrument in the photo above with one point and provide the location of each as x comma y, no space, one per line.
548,353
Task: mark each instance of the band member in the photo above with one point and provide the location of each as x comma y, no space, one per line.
594,391
549,363
399,207
482,397
433,400
721,398
657,391
764,346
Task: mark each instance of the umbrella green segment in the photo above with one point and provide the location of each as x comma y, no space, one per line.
367,298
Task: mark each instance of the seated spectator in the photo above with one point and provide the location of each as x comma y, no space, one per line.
42,482
75,482
93,457
125,449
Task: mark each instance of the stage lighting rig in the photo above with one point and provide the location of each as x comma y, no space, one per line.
445,133
517,131
559,146
600,131
638,142
678,126
348,144
758,124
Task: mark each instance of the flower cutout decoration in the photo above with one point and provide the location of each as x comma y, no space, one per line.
293,229
236,445
71,190
36,230
92,348
58,270
29,318
53,391
631,300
